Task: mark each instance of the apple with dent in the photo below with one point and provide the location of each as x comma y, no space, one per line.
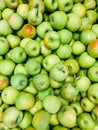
49,61
67,116
51,5
58,20
13,40
92,48
11,4
26,120
5,28
35,17
7,67
24,101
9,95
15,21
85,121
6,13
65,5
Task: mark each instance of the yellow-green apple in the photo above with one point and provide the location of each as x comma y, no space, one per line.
3,126
4,81
58,20
24,101
30,128
65,5
54,120
24,41
94,113
51,104
19,81
62,100
91,4
11,4
95,29
59,127
2,5
6,13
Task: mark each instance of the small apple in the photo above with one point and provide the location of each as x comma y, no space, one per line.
85,121
94,113
6,13
94,29
85,60
49,61
51,104
3,126
67,116
54,120
4,82
92,48
73,22
35,17
92,93
63,101
19,81
41,120
30,128
43,28
7,67
17,55
2,5
5,29
24,101
32,48
15,21
32,66
24,41
13,40
91,4
52,40
23,10
26,120
41,81
58,20
92,73
59,72
12,117
11,4
51,6
65,36
9,95
59,127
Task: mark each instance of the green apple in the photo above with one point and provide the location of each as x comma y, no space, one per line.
78,48
85,60
68,91
92,73
77,107
41,81
85,121
2,5
32,66
94,113
19,81
76,128
41,120
94,29
54,119
7,67
3,126
91,4
9,95
52,40
17,55
73,66
23,10
5,29
62,100
6,13
37,107
24,41
28,31
59,72
58,20
92,93
73,22
67,116
4,82
59,127
64,51
86,104
16,128
92,49
87,36
13,40
65,5
30,128
3,107
49,61
12,114
38,4
32,48
43,28
24,101
51,104
51,6
82,83
11,4
26,121
65,36
35,17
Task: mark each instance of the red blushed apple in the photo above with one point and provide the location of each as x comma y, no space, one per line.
92,49
28,31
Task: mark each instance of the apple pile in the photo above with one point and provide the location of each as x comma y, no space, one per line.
48,64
